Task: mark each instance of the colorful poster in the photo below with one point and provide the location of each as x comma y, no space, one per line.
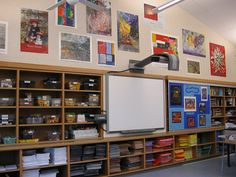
128,32
99,22
193,43
193,67
75,47
34,31
66,15
164,44
3,37
189,104
106,53
217,60
149,14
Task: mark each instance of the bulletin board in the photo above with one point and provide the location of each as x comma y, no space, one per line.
189,106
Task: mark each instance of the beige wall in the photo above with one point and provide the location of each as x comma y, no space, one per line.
174,20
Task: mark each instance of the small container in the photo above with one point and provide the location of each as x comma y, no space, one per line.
27,84
26,101
55,102
90,117
70,117
7,119
90,86
34,119
93,100
7,83
28,134
53,136
73,85
7,101
9,140
52,83
44,100
51,119
70,101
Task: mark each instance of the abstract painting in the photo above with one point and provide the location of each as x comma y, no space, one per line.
3,37
75,47
128,32
106,53
193,67
164,44
149,14
217,60
66,15
99,22
34,31
193,43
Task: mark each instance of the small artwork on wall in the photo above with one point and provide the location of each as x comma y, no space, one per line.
193,43
202,107
149,14
193,67
217,60
176,117
191,121
106,53
175,95
3,37
202,120
190,104
74,47
128,32
204,94
164,44
99,22
34,31
66,15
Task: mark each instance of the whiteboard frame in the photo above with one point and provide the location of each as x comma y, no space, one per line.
138,130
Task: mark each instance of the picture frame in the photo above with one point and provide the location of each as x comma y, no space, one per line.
204,94
189,104
3,37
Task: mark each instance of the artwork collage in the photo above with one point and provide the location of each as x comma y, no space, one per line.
34,37
189,106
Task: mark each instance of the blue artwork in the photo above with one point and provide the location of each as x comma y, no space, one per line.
189,106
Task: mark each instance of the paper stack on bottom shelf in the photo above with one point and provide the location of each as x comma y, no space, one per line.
101,150
31,173
38,159
93,169
88,152
137,147
124,149
58,155
76,153
43,159
49,173
115,165
149,145
131,163
77,170
114,150
149,160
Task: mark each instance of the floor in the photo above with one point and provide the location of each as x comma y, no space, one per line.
206,168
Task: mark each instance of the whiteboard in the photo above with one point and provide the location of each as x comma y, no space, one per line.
134,103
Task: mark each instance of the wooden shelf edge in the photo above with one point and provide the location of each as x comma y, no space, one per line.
88,161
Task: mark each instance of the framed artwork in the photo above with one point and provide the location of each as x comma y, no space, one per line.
128,32
99,22
176,117
164,44
191,121
193,67
106,53
202,107
217,60
202,120
149,14
74,47
66,15
3,37
193,43
175,95
34,31
189,104
204,94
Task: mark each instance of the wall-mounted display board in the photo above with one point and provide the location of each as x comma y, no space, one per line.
189,105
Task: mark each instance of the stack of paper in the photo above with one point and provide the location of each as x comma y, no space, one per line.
131,163
29,161
114,150
92,169
76,153
11,167
31,173
89,152
43,158
77,170
137,147
2,168
115,166
124,149
149,145
58,155
101,150
149,160
49,173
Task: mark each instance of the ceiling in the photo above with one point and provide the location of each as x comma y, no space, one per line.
220,15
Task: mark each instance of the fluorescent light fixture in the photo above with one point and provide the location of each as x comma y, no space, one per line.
165,6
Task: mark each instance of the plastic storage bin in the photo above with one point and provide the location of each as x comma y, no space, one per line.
52,83
44,100
26,101
7,83
51,119
73,85
6,119
70,101
7,101
93,100
55,102
27,84
9,140
70,117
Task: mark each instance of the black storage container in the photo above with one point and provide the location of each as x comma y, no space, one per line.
52,83
90,84
27,84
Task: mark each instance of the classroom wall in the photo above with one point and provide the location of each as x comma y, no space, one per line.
174,19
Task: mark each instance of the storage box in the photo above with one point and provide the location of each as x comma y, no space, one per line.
33,119
70,117
6,119
90,86
50,119
44,100
27,84
93,100
165,158
90,117
26,101
52,83
7,101
55,102
53,136
9,140
73,85
28,134
70,101
7,83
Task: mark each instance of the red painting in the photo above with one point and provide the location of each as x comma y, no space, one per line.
217,60
149,14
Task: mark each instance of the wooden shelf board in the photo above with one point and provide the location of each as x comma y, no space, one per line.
83,107
159,151
88,161
7,107
82,123
217,106
127,172
7,88
124,156
40,107
204,144
187,147
9,171
39,125
83,91
44,166
7,126
40,89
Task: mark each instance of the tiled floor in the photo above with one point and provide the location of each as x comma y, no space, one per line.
206,168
